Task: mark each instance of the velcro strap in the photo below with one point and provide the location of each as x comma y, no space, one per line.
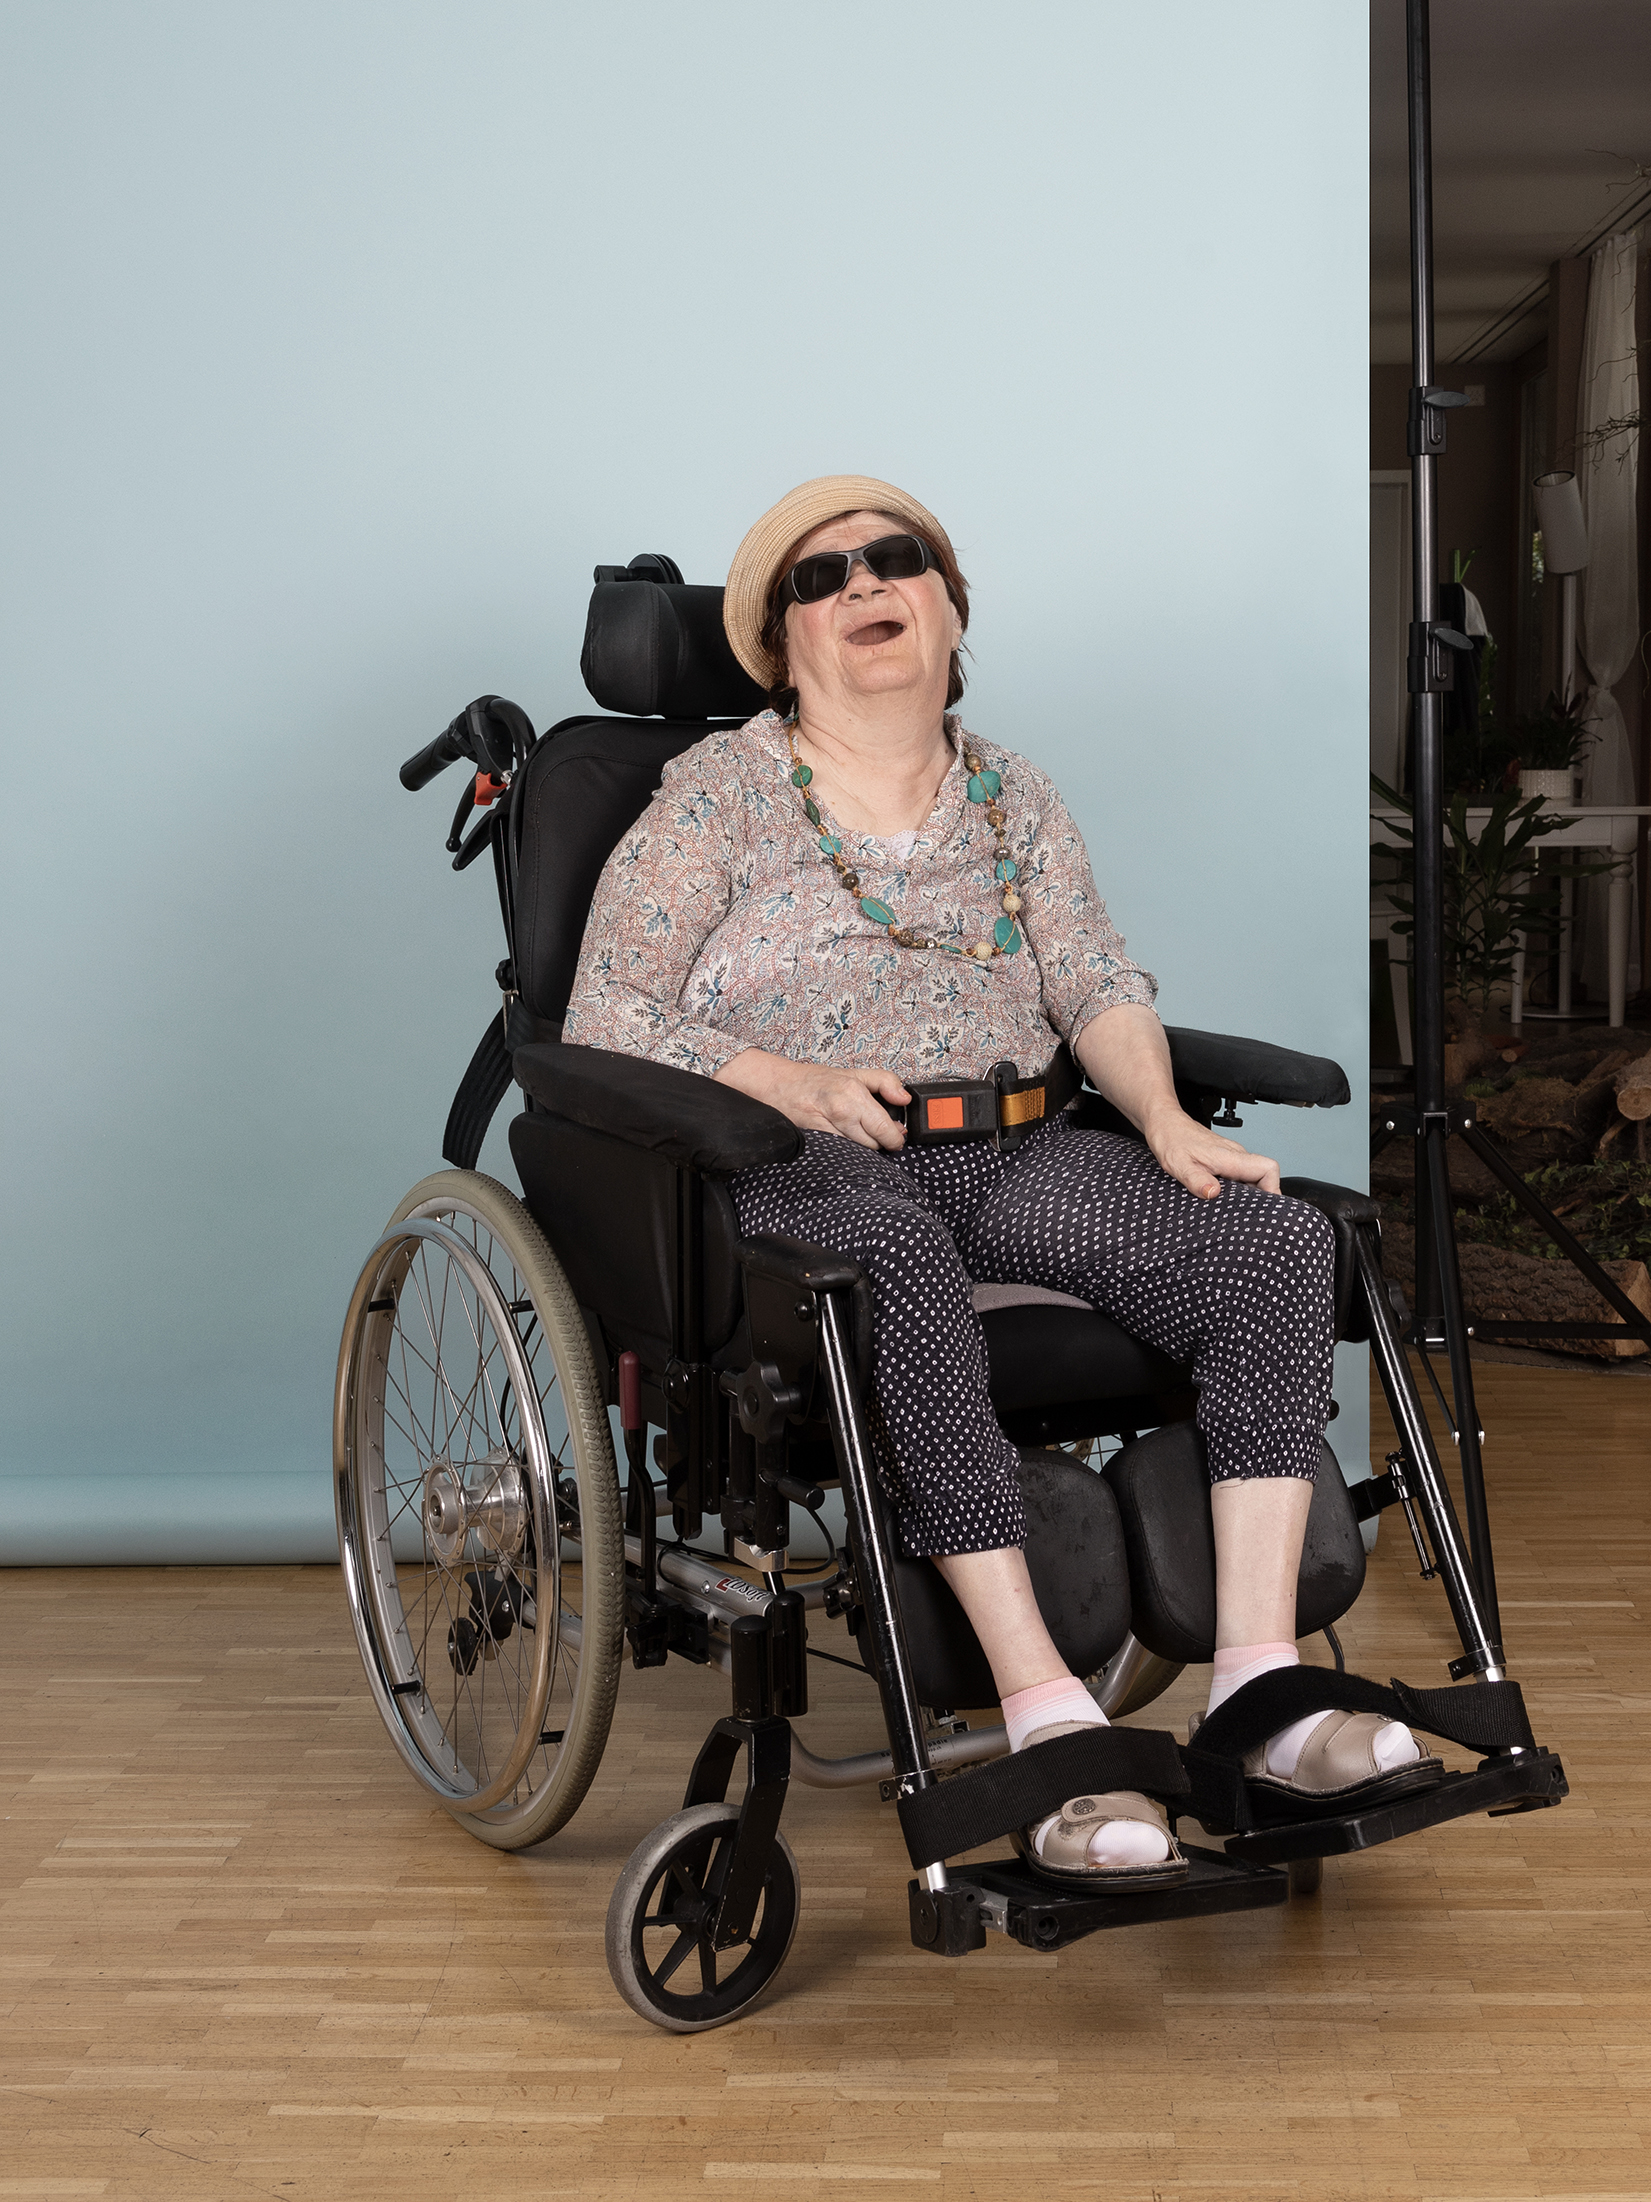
1219,1796
1481,1716
986,1802
1024,1107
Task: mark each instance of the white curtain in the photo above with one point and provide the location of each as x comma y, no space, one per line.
1609,628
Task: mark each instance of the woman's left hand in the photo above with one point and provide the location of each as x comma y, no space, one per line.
1199,1158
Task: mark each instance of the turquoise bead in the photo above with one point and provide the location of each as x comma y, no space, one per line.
811,811
992,782
830,844
802,775
1007,935
1008,869
977,788
878,912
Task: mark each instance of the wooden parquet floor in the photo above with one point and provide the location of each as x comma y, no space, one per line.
243,1956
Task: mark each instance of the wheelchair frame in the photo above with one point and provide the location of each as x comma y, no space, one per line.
746,1445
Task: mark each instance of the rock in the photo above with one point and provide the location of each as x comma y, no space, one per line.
1529,1105
1632,1086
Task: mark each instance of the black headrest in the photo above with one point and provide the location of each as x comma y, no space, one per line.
655,647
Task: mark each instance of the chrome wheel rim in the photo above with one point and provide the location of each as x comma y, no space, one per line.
449,1484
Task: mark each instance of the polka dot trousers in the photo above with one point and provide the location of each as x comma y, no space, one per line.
1240,1287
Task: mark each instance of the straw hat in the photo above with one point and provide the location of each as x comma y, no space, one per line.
758,560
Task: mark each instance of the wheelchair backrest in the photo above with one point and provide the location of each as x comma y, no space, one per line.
655,651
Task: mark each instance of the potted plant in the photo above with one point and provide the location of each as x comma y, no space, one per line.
1550,746
1493,894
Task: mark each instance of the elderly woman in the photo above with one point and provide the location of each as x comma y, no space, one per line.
852,892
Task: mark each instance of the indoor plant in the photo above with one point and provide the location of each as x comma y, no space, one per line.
1550,746
1493,893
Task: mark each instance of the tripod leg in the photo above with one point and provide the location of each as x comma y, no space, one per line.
1461,1370
1483,1654
1428,1327
1638,1322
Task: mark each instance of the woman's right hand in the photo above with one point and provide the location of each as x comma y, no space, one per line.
818,1098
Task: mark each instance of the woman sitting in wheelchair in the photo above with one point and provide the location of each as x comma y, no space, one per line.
852,894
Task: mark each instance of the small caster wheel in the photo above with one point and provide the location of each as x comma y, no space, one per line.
658,1939
1306,1874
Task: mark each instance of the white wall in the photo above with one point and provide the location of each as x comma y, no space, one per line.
344,339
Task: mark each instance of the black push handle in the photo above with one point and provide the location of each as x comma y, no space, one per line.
492,732
436,756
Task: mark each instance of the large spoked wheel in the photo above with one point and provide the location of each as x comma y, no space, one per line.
660,1951
470,1444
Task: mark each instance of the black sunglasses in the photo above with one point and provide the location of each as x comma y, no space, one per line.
890,558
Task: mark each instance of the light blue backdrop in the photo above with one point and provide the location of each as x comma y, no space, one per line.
344,339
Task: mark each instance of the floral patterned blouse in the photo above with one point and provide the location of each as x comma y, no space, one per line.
718,925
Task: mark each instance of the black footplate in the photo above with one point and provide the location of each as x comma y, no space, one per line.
1523,1783
1042,1915
1486,1717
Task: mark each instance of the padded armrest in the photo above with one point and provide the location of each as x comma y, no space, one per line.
1345,1211
1251,1070
675,1113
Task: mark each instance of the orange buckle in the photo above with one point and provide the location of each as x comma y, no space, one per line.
489,787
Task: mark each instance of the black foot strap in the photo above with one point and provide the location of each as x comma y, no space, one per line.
985,1803
1481,1716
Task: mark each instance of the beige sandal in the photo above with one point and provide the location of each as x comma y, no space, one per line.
1338,1762
1063,1853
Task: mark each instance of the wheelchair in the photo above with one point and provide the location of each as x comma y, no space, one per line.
499,1567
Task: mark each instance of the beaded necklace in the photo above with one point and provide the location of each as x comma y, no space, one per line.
984,787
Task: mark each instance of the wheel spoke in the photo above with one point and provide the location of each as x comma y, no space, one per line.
684,1942
460,1375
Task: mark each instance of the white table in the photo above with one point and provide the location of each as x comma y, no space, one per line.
1608,826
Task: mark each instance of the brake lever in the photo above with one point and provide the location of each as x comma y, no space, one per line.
480,835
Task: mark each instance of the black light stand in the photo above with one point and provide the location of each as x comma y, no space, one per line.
1432,1120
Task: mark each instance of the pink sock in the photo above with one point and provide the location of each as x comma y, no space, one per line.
1241,1663
1026,1711
1120,1842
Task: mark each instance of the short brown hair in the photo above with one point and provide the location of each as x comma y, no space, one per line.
782,695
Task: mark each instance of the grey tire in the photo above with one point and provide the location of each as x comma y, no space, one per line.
660,1958
471,1448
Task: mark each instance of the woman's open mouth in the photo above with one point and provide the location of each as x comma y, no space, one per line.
880,630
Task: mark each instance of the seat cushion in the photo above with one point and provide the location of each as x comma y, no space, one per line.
1041,1355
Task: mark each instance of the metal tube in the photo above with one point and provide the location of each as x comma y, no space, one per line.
1434,1142
1427,705
972,1749
874,1578
1431,1491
